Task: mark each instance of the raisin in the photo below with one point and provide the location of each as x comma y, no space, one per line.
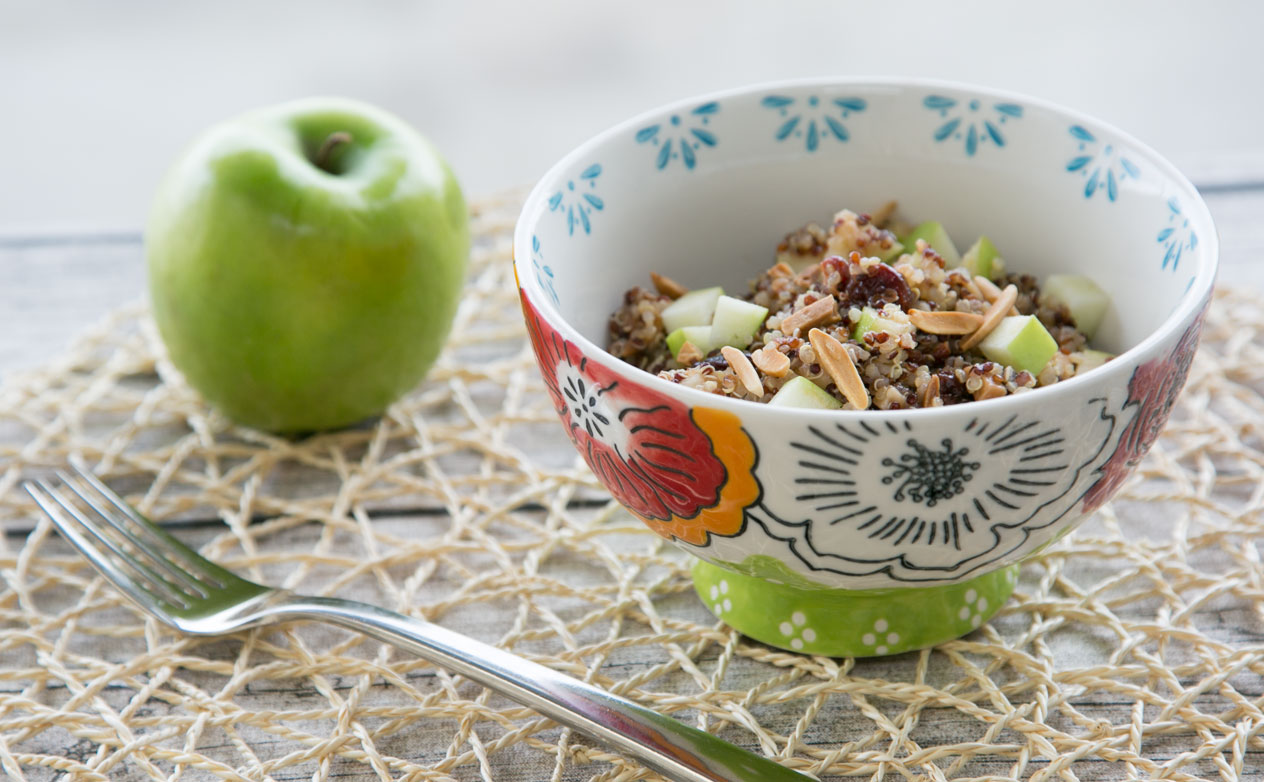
952,390
880,285
718,361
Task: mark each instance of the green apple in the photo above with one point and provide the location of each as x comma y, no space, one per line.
872,320
1083,298
1020,341
983,259
735,322
699,336
934,234
801,392
695,308
305,263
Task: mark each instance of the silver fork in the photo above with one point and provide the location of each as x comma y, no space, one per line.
194,595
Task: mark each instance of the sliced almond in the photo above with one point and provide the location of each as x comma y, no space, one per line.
771,361
689,354
987,288
930,392
745,371
991,292
995,313
945,322
989,390
815,314
882,214
667,286
781,269
837,363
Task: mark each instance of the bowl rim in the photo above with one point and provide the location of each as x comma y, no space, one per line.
1196,297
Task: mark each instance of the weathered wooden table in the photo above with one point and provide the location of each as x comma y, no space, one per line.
468,507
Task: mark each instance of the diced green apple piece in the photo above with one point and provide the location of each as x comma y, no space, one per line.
736,322
870,320
982,259
866,324
700,336
934,235
1086,301
801,392
1021,342
1087,359
695,308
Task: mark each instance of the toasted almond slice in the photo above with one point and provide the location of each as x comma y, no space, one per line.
945,322
745,371
882,214
841,369
781,269
989,390
689,354
771,361
991,292
987,288
1003,304
667,286
931,392
818,312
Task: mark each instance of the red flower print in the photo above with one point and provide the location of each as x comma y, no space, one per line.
686,473
1153,389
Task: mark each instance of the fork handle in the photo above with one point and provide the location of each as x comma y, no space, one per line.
666,745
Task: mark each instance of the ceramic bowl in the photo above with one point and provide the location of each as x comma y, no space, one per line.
861,532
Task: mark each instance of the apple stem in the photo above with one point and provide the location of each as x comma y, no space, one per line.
332,142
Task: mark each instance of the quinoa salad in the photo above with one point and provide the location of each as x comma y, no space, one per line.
869,313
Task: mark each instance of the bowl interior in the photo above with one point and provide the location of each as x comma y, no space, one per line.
704,190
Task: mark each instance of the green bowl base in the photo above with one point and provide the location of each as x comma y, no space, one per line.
846,622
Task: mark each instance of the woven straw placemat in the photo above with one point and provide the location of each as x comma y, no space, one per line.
1132,650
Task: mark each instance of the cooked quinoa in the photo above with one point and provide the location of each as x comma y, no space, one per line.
900,365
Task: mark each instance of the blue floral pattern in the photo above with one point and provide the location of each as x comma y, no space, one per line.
812,119
682,136
543,274
1176,237
578,204
1102,166
971,122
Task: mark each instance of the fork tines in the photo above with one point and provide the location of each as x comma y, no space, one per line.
126,547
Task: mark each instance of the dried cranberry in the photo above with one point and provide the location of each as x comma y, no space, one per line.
880,285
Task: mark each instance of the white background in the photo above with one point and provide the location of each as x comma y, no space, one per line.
97,98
